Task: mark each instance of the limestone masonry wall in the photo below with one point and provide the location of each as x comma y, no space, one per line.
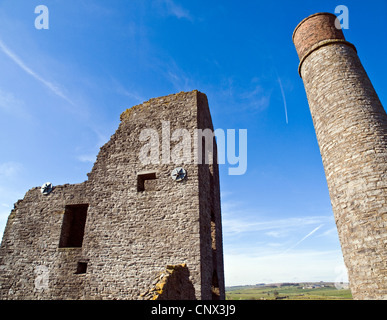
130,233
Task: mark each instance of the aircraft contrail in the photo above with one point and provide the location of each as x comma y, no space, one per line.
303,239
22,65
283,98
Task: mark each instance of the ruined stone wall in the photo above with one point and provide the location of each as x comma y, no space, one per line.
30,246
351,129
129,234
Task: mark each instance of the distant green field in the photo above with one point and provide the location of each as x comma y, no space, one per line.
287,293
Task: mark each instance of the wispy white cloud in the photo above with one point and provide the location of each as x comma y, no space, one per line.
53,88
294,266
90,155
10,169
256,98
331,232
87,158
11,105
234,226
132,94
251,98
260,250
171,8
274,234
256,91
179,79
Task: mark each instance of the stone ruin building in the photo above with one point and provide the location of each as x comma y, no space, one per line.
133,230
351,129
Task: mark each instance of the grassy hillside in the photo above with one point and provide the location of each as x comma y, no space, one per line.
299,291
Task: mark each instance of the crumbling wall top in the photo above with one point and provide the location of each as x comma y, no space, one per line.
165,99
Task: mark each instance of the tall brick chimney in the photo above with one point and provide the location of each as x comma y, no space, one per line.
351,129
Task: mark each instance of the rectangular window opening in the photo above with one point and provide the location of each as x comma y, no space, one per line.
73,226
146,182
81,267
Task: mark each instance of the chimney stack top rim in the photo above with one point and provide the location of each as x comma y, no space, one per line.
309,17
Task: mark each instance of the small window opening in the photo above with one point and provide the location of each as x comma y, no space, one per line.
146,182
81,267
73,226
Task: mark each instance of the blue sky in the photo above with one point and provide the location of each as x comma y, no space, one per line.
62,91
